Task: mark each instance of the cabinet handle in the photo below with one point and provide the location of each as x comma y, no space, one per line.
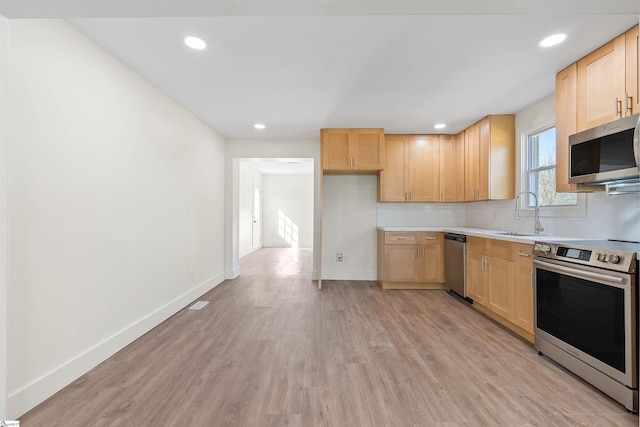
423,251
418,251
410,195
486,265
406,196
430,238
532,279
618,107
629,104
523,254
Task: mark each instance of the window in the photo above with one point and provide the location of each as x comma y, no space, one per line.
541,170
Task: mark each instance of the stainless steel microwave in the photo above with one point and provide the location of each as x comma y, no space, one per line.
605,153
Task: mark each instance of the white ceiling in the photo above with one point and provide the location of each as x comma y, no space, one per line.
300,66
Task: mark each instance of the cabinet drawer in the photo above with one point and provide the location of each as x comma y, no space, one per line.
400,238
500,249
476,244
522,253
426,238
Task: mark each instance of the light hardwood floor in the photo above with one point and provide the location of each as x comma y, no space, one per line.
272,350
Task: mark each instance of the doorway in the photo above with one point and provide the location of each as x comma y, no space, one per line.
276,204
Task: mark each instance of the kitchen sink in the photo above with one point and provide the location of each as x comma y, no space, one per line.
513,233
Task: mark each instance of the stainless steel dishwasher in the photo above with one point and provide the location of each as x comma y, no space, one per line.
455,253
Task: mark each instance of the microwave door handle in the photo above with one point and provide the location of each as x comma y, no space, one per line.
582,274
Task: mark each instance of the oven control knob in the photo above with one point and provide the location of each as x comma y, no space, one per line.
614,259
601,257
545,249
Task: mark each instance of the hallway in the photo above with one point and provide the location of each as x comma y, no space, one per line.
271,350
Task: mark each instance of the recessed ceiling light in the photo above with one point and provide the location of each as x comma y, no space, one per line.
195,42
259,126
552,40
440,126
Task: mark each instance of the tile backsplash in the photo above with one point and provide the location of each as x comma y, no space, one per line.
606,217
422,214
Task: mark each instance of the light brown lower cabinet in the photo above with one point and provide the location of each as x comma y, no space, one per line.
523,288
499,282
410,260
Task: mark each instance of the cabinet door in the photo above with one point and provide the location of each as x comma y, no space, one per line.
472,162
336,149
450,168
476,279
497,157
401,263
500,287
460,154
632,103
368,149
393,179
483,160
601,85
432,245
423,167
566,120
523,288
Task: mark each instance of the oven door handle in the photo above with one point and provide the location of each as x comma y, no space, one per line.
581,274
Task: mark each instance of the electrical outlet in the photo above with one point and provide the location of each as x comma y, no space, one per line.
339,257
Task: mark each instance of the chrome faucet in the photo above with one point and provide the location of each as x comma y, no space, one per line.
538,226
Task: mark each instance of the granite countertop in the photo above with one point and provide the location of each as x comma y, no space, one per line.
481,232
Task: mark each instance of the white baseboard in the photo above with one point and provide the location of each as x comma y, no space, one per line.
349,275
232,274
28,397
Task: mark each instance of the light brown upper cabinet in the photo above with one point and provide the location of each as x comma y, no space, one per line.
607,87
490,159
352,151
423,161
632,80
393,179
452,168
566,124
601,87
412,172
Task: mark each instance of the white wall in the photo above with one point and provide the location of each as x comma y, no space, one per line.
266,149
287,200
115,199
349,227
4,39
247,177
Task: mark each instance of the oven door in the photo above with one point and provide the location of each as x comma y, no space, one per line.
589,313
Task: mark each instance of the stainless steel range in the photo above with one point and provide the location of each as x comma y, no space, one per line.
586,312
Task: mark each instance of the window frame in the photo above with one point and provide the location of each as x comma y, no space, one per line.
567,211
